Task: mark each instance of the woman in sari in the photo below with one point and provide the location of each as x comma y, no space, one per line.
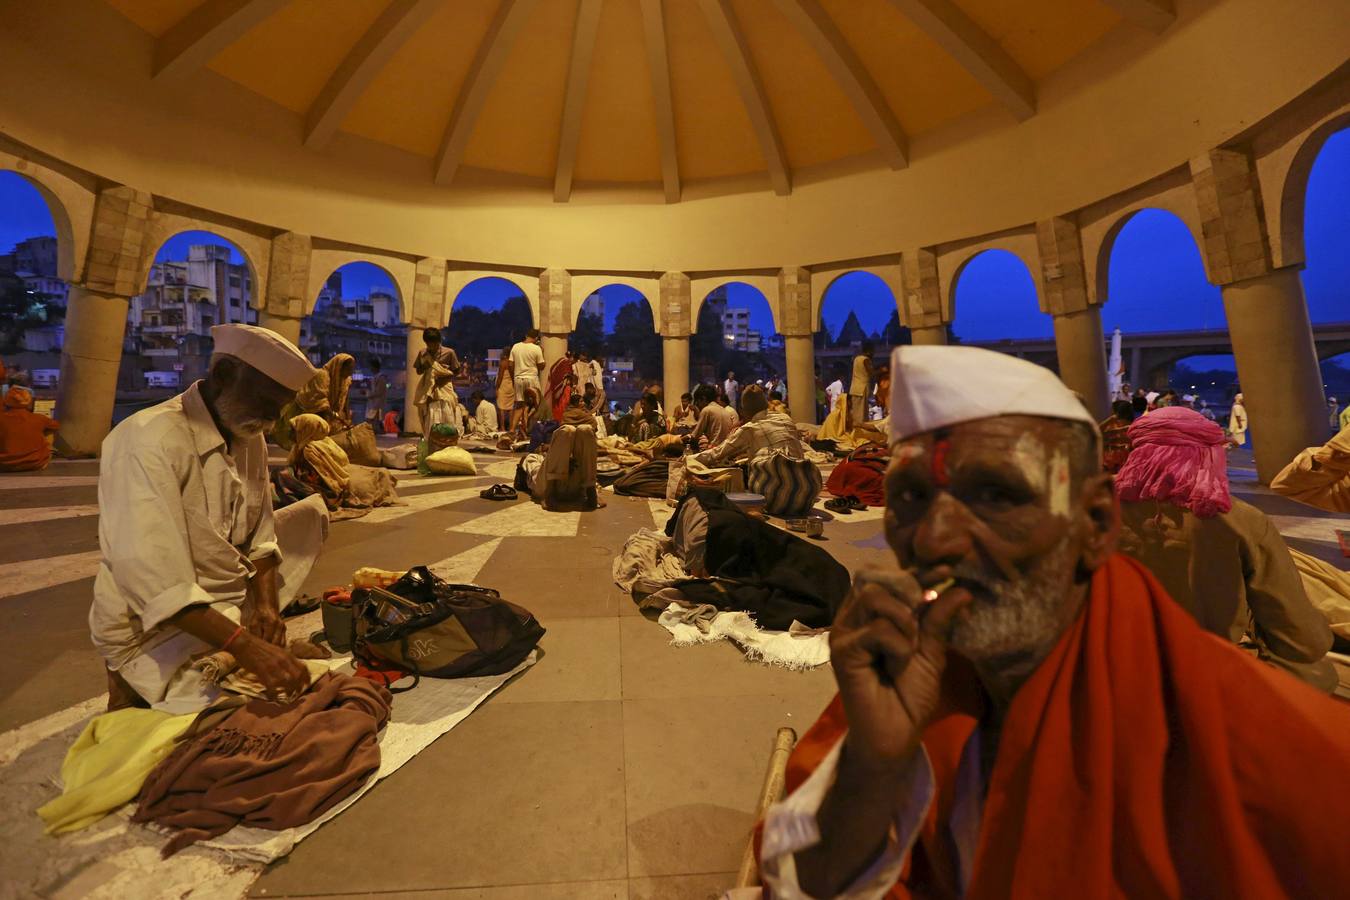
324,395
320,464
560,381
506,393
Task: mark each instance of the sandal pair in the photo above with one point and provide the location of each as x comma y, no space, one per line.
844,505
499,492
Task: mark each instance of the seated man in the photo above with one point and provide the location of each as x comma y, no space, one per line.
23,433
484,419
1022,711
193,559
713,426
568,468
776,404
1219,557
1319,476
763,430
683,417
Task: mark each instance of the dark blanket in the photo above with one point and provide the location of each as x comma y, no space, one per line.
862,475
772,574
269,765
647,479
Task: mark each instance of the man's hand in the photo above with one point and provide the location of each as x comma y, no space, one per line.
888,652
266,624
261,613
280,673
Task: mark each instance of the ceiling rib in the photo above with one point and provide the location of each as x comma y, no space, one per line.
658,62
578,74
976,51
1151,15
728,36
359,68
205,32
483,71
848,71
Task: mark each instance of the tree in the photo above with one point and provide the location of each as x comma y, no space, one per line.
635,336
894,333
589,335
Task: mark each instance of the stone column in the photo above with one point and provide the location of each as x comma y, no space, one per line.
1277,366
797,325
1078,321
935,335
675,306
285,326
96,320
412,419
1267,316
425,309
555,323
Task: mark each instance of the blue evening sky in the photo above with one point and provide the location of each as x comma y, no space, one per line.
1156,277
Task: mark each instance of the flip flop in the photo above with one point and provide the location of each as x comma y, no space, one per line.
841,505
855,503
499,492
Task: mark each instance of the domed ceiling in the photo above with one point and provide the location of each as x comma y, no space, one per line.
634,92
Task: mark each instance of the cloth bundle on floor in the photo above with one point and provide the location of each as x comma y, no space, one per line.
646,479
269,765
861,475
757,568
789,486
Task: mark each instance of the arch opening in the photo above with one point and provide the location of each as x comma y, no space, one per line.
487,316
856,307
615,326
33,294
994,302
1326,231
735,333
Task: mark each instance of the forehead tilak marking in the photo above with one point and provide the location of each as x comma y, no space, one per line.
941,447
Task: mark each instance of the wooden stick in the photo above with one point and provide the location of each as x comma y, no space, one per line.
770,793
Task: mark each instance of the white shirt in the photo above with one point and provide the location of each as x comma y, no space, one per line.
790,826
486,416
526,359
587,373
835,389
181,520
766,431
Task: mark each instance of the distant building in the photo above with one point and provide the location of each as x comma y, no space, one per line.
594,305
736,331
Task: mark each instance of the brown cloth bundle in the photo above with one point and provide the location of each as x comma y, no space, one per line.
269,765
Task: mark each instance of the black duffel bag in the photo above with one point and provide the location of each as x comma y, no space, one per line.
427,626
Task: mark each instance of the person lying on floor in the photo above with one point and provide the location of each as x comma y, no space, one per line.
763,430
193,559
1023,712
1219,557
567,472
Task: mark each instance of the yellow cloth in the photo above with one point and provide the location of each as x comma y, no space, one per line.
339,370
108,763
370,576
1328,588
320,453
832,429
1319,476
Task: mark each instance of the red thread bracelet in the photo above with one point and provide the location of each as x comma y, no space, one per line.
231,638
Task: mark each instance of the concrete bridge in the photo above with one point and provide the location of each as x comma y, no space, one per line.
1150,355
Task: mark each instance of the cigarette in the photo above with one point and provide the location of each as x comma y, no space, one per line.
936,590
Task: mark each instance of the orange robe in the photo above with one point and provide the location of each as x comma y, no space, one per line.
23,440
1144,758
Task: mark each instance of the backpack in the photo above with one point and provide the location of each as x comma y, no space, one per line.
430,627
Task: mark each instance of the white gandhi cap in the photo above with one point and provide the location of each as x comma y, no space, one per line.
266,351
936,387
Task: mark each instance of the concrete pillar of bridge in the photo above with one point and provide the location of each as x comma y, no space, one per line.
1267,315
1137,367
1079,344
932,336
796,322
1277,367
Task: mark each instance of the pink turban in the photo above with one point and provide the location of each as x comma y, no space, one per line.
1177,457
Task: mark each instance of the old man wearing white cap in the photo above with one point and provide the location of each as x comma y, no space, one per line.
1023,712
193,559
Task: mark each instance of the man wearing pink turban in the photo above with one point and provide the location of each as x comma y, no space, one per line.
1218,557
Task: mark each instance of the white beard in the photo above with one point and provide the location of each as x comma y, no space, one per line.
236,422
1014,617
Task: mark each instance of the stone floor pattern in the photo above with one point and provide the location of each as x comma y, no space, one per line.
618,766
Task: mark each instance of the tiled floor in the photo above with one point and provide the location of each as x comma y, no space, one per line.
618,766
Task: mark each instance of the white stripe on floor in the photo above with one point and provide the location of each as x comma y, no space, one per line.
417,503
522,519
36,574
32,482
463,568
1310,528
26,516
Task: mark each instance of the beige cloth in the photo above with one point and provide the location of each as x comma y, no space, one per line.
1235,575
571,458
1328,588
315,450
1319,476
766,431
339,370
714,424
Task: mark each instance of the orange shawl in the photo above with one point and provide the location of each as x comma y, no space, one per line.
1144,758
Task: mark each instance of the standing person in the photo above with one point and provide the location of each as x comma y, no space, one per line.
833,391
377,395
884,389
1334,415
732,388
193,559
527,369
561,377
1237,422
23,433
587,371
859,387
506,393
435,398
1115,435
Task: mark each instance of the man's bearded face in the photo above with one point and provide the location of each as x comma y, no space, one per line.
994,502
249,403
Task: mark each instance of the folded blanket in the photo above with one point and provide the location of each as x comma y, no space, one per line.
799,648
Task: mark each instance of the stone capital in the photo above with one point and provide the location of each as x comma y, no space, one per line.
794,302
921,306
288,275
1232,217
1063,275
117,242
555,301
676,303
428,301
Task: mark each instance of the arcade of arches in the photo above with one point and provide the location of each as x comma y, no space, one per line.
781,145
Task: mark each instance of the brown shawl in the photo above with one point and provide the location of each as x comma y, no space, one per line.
269,765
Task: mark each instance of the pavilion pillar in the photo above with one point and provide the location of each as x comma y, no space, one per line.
921,307
933,336
1267,315
96,320
425,309
412,419
287,327
284,301
796,323
1079,342
555,324
675,307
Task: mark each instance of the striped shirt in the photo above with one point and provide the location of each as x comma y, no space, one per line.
766,431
